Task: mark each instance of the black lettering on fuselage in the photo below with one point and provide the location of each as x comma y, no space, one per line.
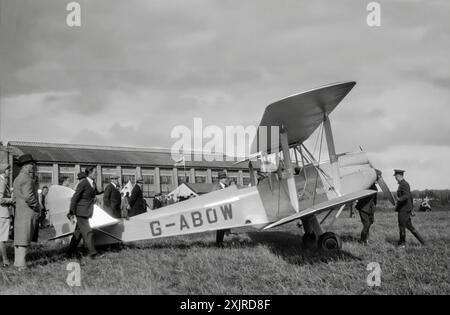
211,212
197,219
155,228
183,223
227,212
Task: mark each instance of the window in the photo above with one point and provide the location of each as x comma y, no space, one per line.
45,179
128,178
183,179
148,179
148,187
200,179
68,178
215,177
107,172
44,175
166,180
200,176
233,179
66,175
106,179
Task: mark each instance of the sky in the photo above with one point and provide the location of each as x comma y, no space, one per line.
136,69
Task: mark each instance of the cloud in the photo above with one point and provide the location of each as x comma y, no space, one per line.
135,70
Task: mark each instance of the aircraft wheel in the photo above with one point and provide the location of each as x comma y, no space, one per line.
329,242
309,240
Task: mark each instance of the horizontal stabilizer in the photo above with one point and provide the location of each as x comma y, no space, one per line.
58,202
327,205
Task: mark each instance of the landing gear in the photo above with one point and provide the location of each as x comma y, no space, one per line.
329,242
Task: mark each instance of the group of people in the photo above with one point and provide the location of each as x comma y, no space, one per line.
404,208
27,207
83,201
121,205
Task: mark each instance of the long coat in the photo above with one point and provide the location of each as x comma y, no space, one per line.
404,197
112,200
83,200
27,209
136,201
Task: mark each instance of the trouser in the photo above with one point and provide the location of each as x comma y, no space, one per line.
82,230
367,220
220,235
404,222
20,252
36,231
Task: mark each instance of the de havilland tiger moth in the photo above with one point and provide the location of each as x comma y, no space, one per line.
295,190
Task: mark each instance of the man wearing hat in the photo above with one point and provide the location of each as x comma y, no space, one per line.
137,204
27,209
223,183
81,210
404,208
112,198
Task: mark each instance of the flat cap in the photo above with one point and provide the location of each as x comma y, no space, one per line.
399,172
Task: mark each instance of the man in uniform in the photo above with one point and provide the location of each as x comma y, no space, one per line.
223,183
112,198
404,207
366,208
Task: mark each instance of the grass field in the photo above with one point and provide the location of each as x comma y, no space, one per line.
253,262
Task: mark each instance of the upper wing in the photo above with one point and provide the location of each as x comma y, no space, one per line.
327,205
300,114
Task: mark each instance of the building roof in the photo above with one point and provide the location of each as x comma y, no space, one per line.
89,154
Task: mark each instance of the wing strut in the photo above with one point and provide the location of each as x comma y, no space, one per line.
290,170
333,156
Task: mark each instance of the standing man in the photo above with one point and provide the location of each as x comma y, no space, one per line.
112,199
366,208
404,207
223,183
137,205
27,210
81,210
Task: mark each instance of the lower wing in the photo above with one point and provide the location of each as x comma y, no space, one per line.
327,205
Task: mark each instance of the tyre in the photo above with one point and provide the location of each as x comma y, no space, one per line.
329,242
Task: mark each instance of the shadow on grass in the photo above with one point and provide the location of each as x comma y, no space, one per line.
289,247
286,245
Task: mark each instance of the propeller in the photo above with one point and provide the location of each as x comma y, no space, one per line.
384,187
380,181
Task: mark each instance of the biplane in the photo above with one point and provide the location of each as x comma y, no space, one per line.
298,188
